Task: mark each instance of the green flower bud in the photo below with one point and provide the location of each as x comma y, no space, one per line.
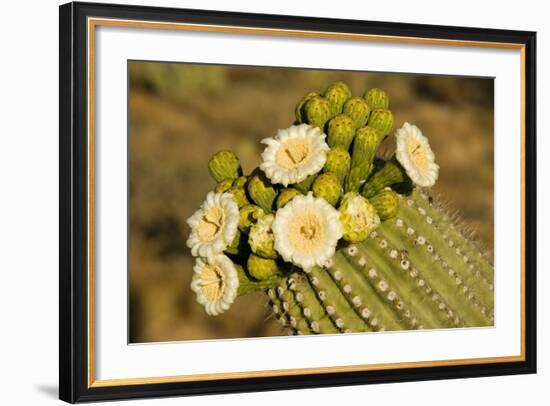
391,173
261,268
262,192
365,144
358,217
328,187
238,245
299,111
341,130
336,95
224,165
286,196
382,120
358,109
377,99
249,215
386,204
305,185
338,162
260,237
240,195
317,111
356,177
223,186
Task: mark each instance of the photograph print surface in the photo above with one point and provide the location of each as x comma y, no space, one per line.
279,201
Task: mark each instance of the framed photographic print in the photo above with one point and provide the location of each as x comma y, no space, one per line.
256,202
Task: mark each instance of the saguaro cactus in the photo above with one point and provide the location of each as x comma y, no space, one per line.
416,270
330,234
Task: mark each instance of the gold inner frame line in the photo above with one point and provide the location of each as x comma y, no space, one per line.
94,22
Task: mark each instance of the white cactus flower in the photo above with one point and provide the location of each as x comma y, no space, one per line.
214,225
215,281
306,231
294,154
415,155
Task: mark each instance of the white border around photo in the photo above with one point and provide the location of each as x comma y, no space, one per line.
115,358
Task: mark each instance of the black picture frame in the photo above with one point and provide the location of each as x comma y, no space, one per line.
73,256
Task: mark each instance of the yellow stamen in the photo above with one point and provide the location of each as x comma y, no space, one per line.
418,155
293,153
211,224
306,232
212,282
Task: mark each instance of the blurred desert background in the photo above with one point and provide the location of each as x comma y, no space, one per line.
181,114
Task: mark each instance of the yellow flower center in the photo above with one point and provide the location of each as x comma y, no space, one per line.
361,218
211,224
418,155
361,221
293,153
212,282
306,232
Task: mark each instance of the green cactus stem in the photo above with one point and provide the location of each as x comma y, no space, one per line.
382,120
377,99
465,267
335,301
310,304
388,292
406,275
317,111
276,308
328,187
261,191
290,306
463,246
359,111
337,94
386,204
340,131
338,162
224,165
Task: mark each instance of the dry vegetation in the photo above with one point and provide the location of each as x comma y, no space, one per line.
181,114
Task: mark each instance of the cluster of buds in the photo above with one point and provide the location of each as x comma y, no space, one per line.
319,185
